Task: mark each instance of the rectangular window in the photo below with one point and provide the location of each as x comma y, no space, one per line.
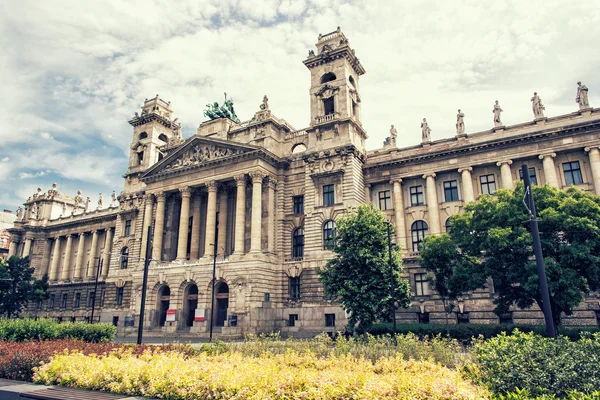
488,184
416,196
421,285
64,300
385,200
451,190
51,301
328,106
423,317
532,176
119,296
77,300
292,319
294,288
102,296
116,321
506,318
572,173
330,320
298,205
328,195
462,318
128,227
91,298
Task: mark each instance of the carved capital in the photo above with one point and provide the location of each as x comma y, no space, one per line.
161,197
240,180
149,197
394,180
468,169
185,192
499,163
542,156
272,183
211,186
82,235
257,176
430,175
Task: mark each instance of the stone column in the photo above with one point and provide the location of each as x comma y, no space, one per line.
594,155
53,274
549,169
27,247
108,240
92,260
240,214
255,228
399,214
12,248
272,184
64,272
211,219
184,220
505,172
368,193
467,184
160,226
45,266
79,258
149,199
222,221
432,204
195,241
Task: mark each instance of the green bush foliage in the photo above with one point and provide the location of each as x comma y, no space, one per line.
539,365
20,330
525,395
465,332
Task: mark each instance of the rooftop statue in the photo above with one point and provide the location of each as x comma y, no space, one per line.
214,111
582,96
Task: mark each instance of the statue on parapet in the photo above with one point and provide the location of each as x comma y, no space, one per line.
20,214
497,111
393,135
214,111
265,103
460,123
582,96
425,131
537,106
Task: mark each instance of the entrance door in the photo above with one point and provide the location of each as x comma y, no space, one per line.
222,304
192,304
164,297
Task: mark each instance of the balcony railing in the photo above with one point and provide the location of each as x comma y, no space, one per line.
326,118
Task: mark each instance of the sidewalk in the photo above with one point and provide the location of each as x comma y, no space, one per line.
17,390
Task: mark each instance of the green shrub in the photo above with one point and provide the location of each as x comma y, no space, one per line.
539,365
19,330
465,332
525,395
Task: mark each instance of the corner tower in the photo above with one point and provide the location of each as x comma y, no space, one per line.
153,131
334,89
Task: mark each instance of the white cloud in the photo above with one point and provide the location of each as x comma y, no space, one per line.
5,159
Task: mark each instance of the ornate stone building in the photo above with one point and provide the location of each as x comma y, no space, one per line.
264,197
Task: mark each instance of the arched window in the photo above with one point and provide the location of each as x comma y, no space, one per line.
419,230
143,135
298,243
448,224
124,257
298,148
328,77
329,235
140,158
351,79
163,137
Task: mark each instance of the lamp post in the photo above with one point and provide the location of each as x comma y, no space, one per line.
144,286
214,272
392,280
100,261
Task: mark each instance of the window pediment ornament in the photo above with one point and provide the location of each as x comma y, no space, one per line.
200,154
327,91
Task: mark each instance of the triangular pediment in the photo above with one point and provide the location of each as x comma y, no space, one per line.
198,152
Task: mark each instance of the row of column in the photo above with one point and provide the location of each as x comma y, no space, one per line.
257,178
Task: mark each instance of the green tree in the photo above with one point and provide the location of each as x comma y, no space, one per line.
17,286
359,273
496,231
453,273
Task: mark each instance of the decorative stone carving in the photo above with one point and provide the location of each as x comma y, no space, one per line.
460,123
54,191
200,154
537,106
78,199
100,202
326,91
33,212
19,213
87,204
265,103
63,211
393,135
425,131
38,194
114,203
497,111
582,96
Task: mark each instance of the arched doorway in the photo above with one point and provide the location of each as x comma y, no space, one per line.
190,305
164,298
222,297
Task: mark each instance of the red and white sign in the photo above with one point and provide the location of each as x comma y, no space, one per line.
171,315
199,315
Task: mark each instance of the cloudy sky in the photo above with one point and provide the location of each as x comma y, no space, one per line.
73,72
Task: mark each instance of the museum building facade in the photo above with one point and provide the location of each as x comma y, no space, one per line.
267,196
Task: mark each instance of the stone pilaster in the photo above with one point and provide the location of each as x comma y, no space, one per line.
160,226
211,218
53,274
222,194
149,204
505,172
64,271
549,169
433,207
27,247
12,248
272,185
594,155
255,228
195,241
467,184
91,268
399,214
184,218
108,239
368,192
79,258
240,214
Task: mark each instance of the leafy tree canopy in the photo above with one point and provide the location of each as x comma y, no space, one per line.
17,286
359,273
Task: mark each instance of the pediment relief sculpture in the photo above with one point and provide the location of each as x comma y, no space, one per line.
327,91
199,154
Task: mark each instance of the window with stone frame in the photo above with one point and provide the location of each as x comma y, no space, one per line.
329,235
488,184
127,230
292,319
462,318
451,190
572,171
140,158
294,287
329,105
532,176
423,317
506,318
124,257
77,300
422,285
51,301
328,195
65,298
416,196
385,200
330,320
448,225
298,205
120,296
102,296
418,230
298,243
91,297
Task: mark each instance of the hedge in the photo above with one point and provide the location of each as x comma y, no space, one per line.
19,330
465,332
